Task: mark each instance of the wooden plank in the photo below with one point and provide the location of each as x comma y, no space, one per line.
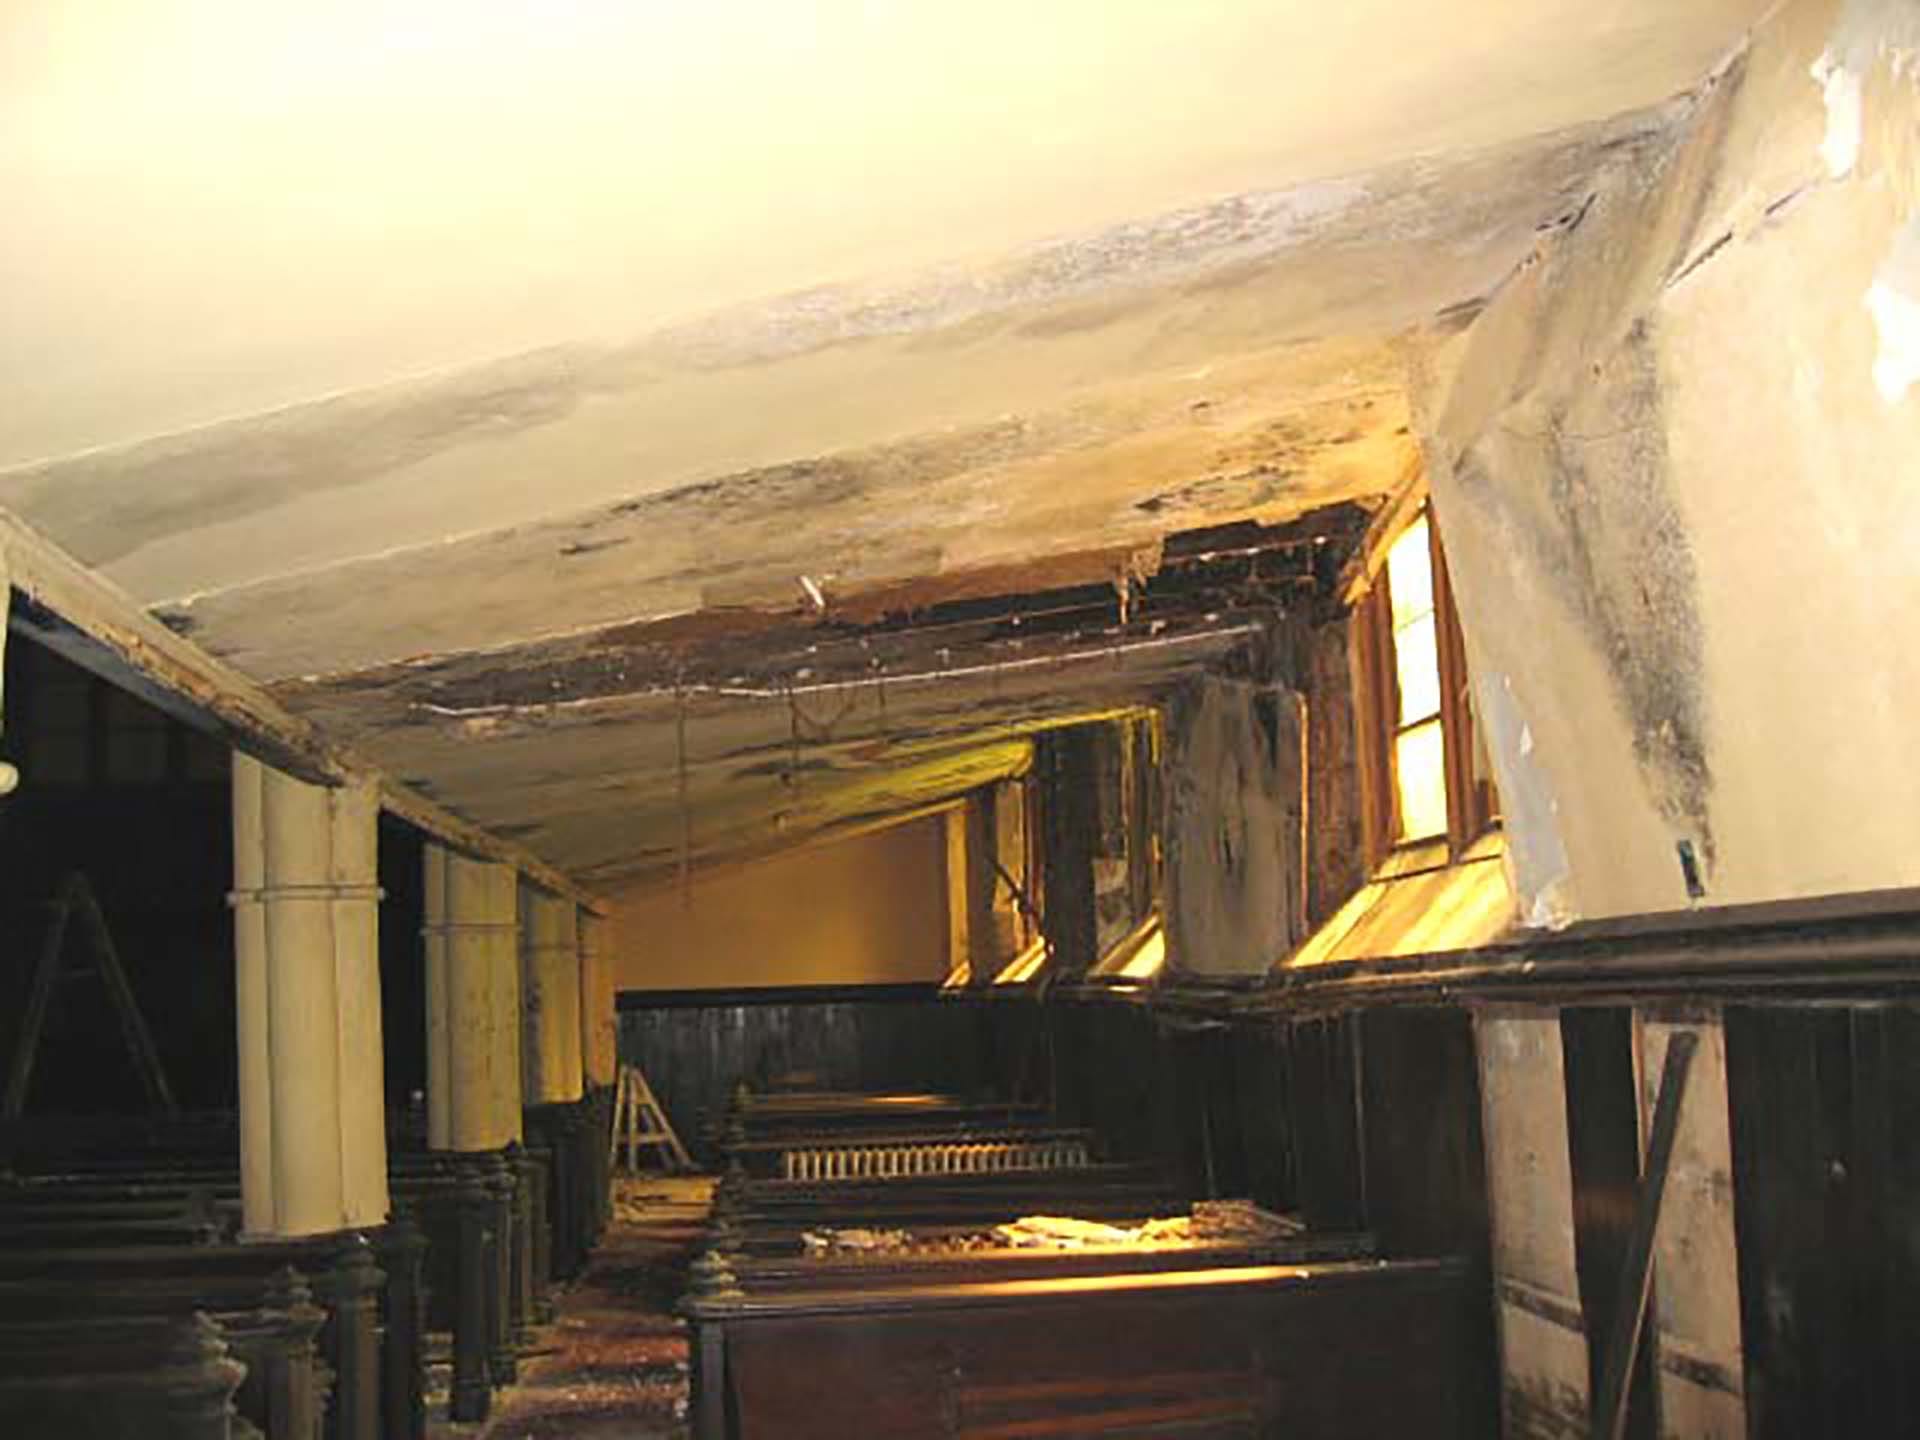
1695,1317
1064,761
1603,1134
1545,1385
1636,1267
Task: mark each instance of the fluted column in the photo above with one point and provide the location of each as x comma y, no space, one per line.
473,1006
550,976
313,1153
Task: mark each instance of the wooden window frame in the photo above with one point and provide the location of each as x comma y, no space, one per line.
1472,805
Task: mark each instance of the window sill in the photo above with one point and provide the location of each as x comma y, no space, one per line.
1410,908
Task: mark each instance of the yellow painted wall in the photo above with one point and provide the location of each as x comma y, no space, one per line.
867,910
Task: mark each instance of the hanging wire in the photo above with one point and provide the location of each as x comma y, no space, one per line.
686,803
791,779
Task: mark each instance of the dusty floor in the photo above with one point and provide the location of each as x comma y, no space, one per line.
614,1362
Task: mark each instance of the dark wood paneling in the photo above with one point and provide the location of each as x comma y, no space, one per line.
1603,1142
898,1040
1827,1211
1321,1097
1425,1163
1261,1100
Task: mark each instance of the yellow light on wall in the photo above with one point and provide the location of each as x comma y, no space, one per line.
1024,966
1148,960
1140,956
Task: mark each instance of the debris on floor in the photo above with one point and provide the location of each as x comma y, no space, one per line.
614,1361
1210,1222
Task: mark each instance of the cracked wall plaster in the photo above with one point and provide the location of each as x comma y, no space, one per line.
1672,461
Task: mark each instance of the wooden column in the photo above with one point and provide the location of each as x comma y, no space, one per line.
1069,830
959,912
550,974
307,950
981,841
6,603
473,1053
599,1039
506,1002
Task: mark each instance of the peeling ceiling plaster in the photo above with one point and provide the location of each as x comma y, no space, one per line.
1019,406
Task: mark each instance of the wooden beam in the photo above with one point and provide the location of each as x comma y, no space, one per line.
1636,1271
1070,823
94,623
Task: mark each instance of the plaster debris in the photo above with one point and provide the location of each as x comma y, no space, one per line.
1840,87
1536,858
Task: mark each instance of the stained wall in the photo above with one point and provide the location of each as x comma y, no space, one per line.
1674,459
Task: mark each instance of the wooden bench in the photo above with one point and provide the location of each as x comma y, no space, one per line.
163,1377
773,1214
1342,1349
760,1118
462,1206
269,1312
892,1269
369,1287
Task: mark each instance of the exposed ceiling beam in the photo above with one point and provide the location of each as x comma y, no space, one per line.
92,622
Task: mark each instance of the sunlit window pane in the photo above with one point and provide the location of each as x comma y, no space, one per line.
1410,574
1420,772
1416,662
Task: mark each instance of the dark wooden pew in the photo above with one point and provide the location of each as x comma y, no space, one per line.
1348,1350
158,1377
274,1300
272,1326
498,1227
462,1205
1092,1192
861,1270
368,1287
774,1117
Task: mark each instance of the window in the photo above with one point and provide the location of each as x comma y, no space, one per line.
1419,749
1120,795
1423,774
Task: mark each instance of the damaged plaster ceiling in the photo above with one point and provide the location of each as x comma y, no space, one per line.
445,560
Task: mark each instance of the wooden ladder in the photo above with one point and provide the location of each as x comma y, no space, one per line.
77,894
640,1123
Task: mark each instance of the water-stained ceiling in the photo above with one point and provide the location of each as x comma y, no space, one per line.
520,391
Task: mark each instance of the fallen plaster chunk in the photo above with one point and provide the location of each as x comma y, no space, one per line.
1536,858
1840,87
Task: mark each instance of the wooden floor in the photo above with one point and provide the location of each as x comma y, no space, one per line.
614,1362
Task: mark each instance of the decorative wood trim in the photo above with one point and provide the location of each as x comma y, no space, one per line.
909,993
1376,698
1471,805
1836,947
